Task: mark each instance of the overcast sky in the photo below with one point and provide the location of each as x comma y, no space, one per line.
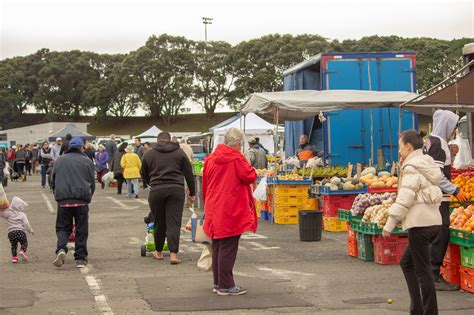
114,26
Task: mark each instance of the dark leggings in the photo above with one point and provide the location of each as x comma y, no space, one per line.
441,242
16,237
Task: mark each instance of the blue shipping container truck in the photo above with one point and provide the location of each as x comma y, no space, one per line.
353,135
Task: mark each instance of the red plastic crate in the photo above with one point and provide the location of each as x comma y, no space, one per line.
332,203
389,251
351,234
467,279
451,273
453,254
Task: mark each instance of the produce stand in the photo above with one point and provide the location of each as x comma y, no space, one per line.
285,198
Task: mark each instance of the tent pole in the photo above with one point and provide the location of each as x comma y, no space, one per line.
243,144
275,136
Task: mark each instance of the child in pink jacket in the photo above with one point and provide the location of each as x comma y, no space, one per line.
18,225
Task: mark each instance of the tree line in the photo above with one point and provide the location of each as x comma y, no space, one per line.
162,75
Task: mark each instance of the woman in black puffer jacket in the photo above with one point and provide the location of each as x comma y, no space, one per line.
116,168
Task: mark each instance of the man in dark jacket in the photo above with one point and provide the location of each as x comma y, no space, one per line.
73,182
164,168
111,148
444,125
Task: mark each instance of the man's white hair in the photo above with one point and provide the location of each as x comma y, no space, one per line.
234,136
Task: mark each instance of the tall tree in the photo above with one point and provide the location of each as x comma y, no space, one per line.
214,75
260,62
114,93
63,82
162,71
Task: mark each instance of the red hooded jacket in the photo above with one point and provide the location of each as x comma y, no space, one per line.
229,207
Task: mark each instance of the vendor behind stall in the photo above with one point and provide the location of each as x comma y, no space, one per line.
306,150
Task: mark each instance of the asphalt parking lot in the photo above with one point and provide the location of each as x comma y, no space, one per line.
282,274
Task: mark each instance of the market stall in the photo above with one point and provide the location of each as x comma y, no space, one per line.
73,130
149,135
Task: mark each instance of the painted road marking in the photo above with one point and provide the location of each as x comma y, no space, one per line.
93,285
100,299
121,204
48,203
258,246
282,272
252,236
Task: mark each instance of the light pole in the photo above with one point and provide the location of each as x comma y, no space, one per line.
206,21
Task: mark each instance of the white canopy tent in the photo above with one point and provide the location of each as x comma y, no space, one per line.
150,134
301,104
254,127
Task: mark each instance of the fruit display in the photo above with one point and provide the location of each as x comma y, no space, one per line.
463,218
273,159
467,172
378,214
336,183
383,180
365,201
293,177
324,171
466,184
265,172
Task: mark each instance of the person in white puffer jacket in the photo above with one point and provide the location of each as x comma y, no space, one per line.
416,207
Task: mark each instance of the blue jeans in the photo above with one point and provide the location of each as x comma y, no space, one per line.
44,168
132,190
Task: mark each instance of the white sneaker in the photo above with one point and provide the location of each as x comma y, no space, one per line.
60,257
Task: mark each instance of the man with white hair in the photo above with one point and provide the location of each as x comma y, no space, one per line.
56,148
229,207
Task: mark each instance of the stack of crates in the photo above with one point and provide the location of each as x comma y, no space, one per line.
467,269
331,204
389,250
287,200
450,270
365,247
351,241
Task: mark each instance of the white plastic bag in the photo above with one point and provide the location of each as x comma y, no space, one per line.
260,193
108,178
205,261
6,170
3,199
463,158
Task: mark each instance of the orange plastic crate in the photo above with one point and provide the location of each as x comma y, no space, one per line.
467,279
453,254
451,273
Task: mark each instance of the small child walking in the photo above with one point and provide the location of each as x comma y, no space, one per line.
18,225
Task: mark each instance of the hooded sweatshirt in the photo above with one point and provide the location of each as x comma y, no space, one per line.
166,166
444,124
16,217
419,195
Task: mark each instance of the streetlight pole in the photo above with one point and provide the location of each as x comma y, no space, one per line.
206,21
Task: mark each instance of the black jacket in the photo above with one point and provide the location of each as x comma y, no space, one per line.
116,167
72,178
166,166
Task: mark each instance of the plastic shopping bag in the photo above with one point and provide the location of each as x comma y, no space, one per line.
108,178
6,170
205,261
260,193
463,158
3,199
197,232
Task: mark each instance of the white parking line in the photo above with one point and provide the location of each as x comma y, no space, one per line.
121,204
253,236
93,285
281,272
145,202
100,299
258,246
48,203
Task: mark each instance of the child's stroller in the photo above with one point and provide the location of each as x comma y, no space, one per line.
14,174
149,245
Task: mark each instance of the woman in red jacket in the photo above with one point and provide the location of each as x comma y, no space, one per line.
228,206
